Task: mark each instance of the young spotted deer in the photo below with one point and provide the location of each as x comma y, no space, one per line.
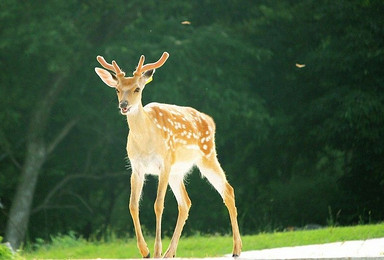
167,141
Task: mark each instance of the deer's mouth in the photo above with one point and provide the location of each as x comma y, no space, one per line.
124,110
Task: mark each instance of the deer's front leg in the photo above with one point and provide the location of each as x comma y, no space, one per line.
159,207
184,203
137,182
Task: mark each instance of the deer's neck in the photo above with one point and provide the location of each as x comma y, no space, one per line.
138,120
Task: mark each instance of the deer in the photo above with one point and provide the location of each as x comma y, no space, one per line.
167,141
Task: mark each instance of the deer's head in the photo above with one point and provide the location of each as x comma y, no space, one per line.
128,89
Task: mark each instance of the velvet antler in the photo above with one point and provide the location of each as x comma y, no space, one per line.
113,67
140,68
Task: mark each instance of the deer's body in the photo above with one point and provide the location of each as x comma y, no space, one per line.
167,141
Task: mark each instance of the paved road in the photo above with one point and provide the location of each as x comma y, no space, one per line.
361,249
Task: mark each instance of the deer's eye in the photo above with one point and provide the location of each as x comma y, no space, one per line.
117,91
137,90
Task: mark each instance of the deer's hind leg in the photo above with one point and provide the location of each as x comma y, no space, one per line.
211,169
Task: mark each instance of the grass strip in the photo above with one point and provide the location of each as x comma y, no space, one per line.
200,245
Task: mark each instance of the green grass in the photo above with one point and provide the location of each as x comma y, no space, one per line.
64,247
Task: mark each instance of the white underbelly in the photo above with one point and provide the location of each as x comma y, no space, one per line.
147,165
181,168
185,159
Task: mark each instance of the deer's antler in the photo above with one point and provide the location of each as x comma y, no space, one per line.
140,68
113,67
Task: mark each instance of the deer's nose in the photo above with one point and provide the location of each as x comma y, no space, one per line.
123,104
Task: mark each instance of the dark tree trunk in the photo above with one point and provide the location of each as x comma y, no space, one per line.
21,205
37,152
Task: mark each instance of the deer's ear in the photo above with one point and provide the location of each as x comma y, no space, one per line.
106,76
148,75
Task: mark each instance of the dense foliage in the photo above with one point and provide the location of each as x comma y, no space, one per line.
295,87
